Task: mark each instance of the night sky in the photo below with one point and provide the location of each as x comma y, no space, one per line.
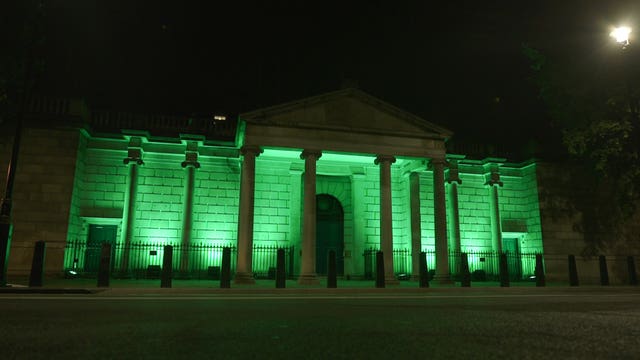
459,64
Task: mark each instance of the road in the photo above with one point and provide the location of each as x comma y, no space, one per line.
443,324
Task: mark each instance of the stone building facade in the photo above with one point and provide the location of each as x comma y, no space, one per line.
272,179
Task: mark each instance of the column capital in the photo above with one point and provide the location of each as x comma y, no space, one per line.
494,179
191,159
134,154
251,149
308,153
188,163
135,160
384,158
453,175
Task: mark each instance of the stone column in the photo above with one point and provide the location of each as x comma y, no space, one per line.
416,230
308,273
190,164
295,215
244,269
386,225
494,206
443,274
133,160
454,180
359,219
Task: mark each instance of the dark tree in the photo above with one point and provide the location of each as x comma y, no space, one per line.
594,105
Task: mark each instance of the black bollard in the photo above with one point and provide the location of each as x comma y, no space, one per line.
504,271
540,279
573,271
37,265
225,275
424,271
167,267
281,275
466,274
105,265
379,270
633,276
332,274
604,272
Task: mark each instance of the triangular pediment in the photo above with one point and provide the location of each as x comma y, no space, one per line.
349,110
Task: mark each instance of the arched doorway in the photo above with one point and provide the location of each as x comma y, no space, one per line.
329,233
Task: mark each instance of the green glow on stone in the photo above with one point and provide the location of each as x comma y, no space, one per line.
290,154
240,132
101,183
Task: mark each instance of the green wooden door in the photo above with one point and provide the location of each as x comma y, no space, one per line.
98,235
329,233
511,248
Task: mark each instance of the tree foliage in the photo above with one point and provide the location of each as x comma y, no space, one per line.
595,106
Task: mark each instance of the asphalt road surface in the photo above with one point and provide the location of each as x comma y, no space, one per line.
496,323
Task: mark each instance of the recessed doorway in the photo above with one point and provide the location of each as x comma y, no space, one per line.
98,235
329,233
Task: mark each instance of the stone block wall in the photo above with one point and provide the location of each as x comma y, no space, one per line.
160,199
371,204
42,196
519,208
427,211
560,222
98,196
75,232
216,196
6,143
474,210
401,209
272,203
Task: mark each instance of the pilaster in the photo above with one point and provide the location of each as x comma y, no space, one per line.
133,160
494,183
190,164
453,180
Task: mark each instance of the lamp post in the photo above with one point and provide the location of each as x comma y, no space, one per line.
621,34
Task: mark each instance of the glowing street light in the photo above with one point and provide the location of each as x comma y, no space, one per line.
621,35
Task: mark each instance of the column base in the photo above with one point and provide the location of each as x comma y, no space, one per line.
443,279
244,278
308,279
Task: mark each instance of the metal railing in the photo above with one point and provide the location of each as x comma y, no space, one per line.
144,260
483,265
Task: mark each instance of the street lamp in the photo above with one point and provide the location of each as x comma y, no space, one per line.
621,35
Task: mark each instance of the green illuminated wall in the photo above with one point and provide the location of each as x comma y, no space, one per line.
159,200
216,196
401,208
75,232
100,185
519,207
272,202
474,213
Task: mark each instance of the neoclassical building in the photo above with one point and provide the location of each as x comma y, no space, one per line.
342,171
